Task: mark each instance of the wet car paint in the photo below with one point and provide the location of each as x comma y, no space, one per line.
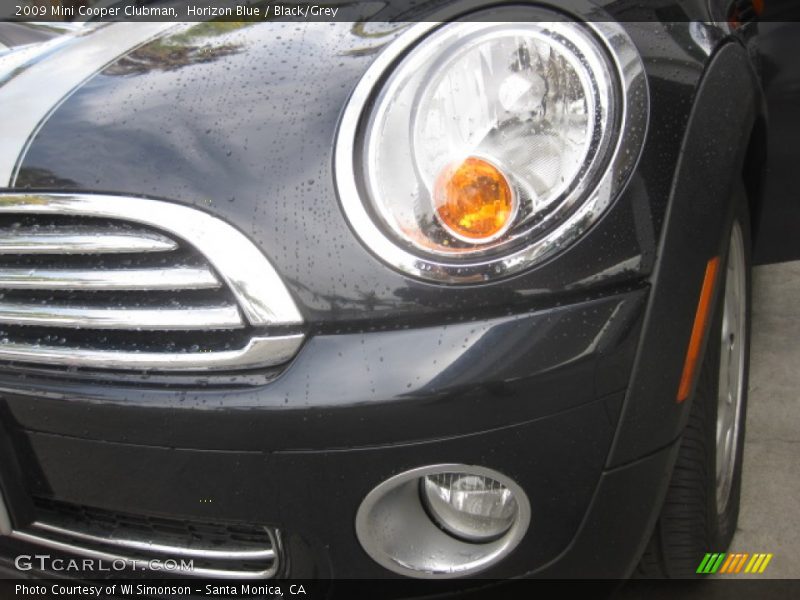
535,366
254,146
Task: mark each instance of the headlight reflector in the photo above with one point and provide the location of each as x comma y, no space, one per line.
489,145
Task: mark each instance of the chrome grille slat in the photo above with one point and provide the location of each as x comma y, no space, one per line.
258,352
115,282
185,318
82,240
150,546
138,564
215,549
170,278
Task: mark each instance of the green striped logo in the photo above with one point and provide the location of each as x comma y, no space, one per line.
755,563
711,563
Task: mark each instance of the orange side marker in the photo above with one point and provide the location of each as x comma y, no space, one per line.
698,329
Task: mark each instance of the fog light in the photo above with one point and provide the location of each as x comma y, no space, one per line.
445,520
471,507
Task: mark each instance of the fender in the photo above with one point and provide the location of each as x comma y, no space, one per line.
710,165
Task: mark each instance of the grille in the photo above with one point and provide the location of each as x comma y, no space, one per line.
215,549
133,283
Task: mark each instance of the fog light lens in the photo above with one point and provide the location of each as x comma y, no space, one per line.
470,507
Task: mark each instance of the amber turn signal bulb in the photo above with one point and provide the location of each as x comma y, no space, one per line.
473,199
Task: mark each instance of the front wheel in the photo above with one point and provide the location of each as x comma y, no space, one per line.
701,508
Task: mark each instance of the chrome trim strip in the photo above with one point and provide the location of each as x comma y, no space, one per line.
259,290
631,132
34,94
5,520
140,564
267,554
259,352
168,278
82,240
184,319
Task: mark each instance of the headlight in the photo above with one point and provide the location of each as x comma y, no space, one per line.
488,146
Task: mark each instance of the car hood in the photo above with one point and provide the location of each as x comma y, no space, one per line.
240,120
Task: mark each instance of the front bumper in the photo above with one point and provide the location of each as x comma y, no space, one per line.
535,396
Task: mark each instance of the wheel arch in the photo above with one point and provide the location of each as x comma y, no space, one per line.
722,148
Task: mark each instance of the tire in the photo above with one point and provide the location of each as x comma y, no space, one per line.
696,517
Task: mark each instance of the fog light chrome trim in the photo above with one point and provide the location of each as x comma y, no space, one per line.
5,520
396,531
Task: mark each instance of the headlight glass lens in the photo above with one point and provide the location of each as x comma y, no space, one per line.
487,133
470,507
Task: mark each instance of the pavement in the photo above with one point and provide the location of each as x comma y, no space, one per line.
769,521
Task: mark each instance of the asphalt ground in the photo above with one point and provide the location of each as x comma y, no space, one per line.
769,521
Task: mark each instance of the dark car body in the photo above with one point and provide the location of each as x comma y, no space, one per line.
562,377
